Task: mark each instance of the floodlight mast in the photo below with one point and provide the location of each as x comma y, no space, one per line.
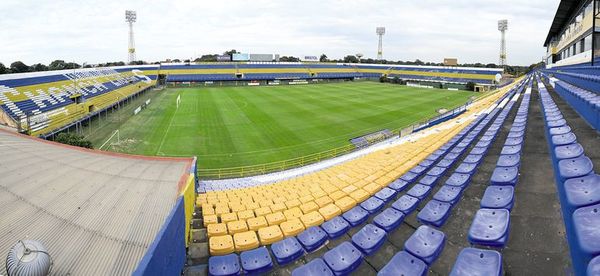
130,18
380,31
502,27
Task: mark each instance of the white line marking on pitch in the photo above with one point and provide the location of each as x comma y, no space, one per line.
166,132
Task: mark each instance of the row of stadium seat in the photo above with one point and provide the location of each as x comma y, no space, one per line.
577,183
291,248
585,102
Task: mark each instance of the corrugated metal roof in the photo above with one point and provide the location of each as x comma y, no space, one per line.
96,213
565,11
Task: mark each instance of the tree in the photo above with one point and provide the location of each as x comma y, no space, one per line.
57,65
207,58
470,86
38,67
19,67
73,140
3,69
230,52
491,65
176,60
323,58
289,59
350,59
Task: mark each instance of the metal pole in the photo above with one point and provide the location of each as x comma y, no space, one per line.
593,30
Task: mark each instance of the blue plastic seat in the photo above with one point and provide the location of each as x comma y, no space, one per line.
513,141
434,156
343,258
435,213
372,205
509,160
426,243
458,179
511,149
356,215
483,144
386,194
474,261
498,197
224,265
256,260
563,139
505,176
478,150
409,177
583,190
445,163
486,138
586,221
559,130
404,263
490,227
593,267
451,155
556,123
316,267
449,194
335,227
473,158
406,204
398,185
418,169
389,219
426,163
466,168
419,191
518,128
436,171
287,250
458,150
574,167
369,239
568,151
428,180
516,134
312,238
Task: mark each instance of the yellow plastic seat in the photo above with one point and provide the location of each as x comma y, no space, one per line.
210,219
359,195
216,229
262,211
323,201
291,227
245,241
292,213
256,223
349,189
237,207
237,226
372,188
275,218
330,211
208,211
244,215
225,218
306,199
337,195
318,194
278,207
270,234
221,245
279,200
265,202
252,205
312,219
292,203
309,207
222,210
345,203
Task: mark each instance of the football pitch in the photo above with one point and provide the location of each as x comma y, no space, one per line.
240,126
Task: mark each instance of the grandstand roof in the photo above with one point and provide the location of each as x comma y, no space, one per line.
565,11
95,212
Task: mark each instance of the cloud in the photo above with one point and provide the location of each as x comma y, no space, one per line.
95,31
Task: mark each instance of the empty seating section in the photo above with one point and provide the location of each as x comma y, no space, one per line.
576,180
348,194
47,98
274,71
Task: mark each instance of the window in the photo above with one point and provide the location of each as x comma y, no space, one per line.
587,43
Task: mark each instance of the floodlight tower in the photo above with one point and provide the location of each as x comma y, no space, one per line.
502,27
380,32
130,17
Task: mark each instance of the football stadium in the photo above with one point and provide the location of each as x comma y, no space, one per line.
261,164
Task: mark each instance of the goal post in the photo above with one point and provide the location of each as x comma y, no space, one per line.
110,138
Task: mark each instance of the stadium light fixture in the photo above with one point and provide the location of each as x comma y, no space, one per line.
130,18
380,32
502,27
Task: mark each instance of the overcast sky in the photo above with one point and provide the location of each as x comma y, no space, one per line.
95,31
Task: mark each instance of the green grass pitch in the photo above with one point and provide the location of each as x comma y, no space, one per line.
240,126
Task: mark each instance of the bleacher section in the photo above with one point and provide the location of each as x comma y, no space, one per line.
297,216
290,71
47,100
